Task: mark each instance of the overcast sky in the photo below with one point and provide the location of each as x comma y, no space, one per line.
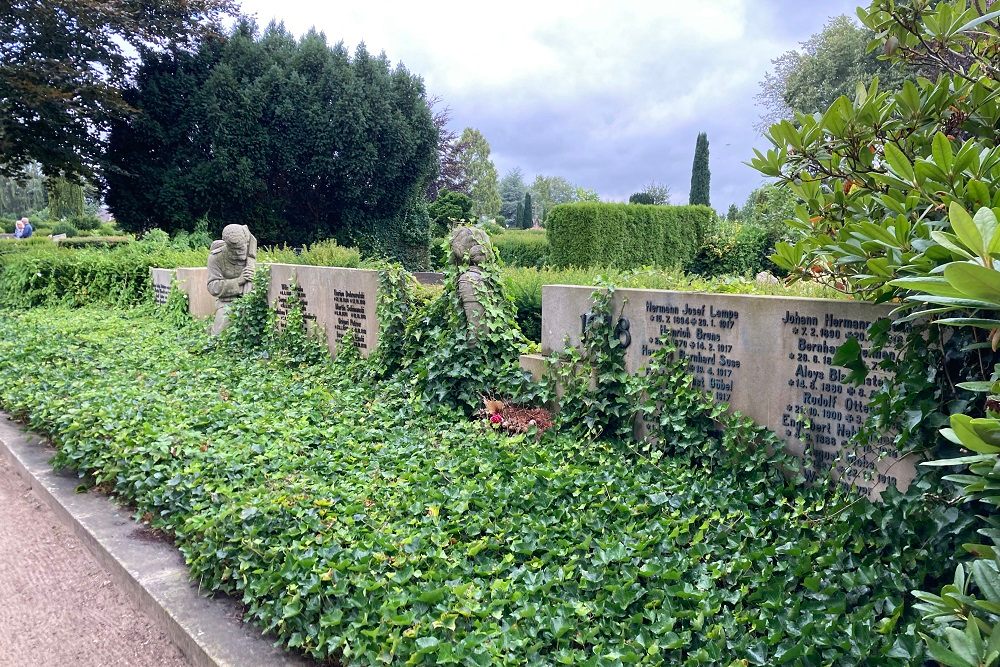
608,95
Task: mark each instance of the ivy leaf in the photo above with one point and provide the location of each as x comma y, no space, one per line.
849,356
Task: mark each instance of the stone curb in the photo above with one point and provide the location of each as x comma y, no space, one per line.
152,572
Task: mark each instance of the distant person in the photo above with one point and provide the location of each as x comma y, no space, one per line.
22,229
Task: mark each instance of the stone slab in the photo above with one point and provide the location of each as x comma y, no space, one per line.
151,571
769,357
335,300
162,280
194,282
429,277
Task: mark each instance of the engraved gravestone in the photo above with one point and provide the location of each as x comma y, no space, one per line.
162,280
769,357
335,300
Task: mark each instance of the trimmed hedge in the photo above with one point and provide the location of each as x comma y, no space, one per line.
94,241
118,276
36,273
626,236
522,247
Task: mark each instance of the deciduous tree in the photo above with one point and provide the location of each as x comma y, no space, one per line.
829,64
450,170
484,187
63,64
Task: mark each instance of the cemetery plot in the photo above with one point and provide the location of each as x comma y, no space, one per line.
770,358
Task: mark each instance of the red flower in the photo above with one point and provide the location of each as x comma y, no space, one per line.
495,419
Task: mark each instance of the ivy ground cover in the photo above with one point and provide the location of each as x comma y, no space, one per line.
361,528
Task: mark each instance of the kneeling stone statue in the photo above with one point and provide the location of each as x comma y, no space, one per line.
231,265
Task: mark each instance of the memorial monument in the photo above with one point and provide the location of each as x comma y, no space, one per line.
471,249
231,265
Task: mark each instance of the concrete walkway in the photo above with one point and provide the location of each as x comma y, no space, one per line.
59,606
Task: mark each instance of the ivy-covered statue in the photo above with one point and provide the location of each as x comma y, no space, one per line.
231,265
471,250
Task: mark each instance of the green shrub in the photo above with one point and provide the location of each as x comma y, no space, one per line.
95,241
323,253
329,253
46,274
64,227
85,223
736,249
522,247
626,235
438,253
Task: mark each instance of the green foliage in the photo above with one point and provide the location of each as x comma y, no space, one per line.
444,362
177,308
484,188
548,192
448,209
85,223
24,194
64,227
771,207
64,65
95,241
735,249
404,239
652,194
865,221
522,247
527,213
241,128
700,174
323,253
65,199
626,236
597,397
512,191
885,183
43,273
829,64
252,323
358,526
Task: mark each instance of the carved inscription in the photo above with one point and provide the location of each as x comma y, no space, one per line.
285,295
161,292
823,412
703,335
349,311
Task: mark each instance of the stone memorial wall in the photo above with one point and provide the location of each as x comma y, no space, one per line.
770,358
162,280
335,300
194,282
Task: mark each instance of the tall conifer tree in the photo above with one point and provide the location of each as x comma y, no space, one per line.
526,215
700,174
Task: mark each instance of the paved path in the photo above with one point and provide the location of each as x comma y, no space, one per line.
58,606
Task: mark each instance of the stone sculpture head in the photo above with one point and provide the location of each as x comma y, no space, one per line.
237,240
470,245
